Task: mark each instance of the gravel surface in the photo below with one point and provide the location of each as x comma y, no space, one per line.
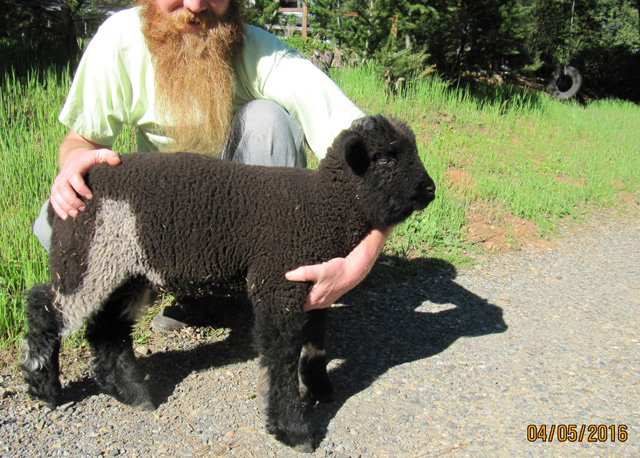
426,362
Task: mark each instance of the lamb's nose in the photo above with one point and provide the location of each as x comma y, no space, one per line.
431,190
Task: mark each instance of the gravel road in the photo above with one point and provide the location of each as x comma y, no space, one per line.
426,362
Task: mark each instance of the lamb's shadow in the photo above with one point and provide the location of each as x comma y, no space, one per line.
167,369
380,328
376,329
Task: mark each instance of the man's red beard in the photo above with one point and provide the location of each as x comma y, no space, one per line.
192,56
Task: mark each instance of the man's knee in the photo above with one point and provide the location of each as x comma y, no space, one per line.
41,227
263,133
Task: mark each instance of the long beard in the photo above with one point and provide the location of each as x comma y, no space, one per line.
193,75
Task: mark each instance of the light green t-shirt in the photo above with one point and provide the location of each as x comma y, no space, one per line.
114,85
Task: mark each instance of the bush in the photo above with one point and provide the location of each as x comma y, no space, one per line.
394,68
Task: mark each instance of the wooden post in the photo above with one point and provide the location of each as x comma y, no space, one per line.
304,20
304,11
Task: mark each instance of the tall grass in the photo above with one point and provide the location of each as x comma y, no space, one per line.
28,151
29,139
523,153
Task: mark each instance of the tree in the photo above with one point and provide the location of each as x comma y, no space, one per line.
476,35
263,13
599,37
50,28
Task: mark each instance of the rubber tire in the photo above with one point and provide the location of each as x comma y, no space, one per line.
576,82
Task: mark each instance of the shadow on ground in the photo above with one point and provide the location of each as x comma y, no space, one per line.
376,329
379,327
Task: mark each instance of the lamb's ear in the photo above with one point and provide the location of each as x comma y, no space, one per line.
355,152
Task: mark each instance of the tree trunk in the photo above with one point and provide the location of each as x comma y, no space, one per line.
638,6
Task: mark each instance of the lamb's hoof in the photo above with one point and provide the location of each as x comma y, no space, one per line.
46,394
51,403
145,406
300,441
308,447
140,399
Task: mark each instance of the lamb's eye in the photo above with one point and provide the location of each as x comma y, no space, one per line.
386,162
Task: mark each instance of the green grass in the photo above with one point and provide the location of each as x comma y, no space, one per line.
528,156
524,155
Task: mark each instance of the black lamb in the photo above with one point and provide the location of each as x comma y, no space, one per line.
191,225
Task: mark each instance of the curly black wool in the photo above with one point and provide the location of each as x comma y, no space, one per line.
190,225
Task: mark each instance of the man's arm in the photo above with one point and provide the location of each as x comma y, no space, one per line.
335,277
76,156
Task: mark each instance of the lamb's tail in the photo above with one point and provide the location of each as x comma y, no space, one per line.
42,344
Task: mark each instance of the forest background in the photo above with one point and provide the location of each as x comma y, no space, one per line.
459,39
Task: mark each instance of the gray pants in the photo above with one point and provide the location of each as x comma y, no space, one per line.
262,133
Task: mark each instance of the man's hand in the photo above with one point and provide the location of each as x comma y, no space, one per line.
330,281
77,156
335,277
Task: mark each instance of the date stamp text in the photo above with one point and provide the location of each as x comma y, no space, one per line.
577,433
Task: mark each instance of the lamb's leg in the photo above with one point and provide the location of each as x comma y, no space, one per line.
280,349
42,345
113,362
315,385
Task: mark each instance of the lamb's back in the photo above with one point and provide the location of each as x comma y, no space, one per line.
195,214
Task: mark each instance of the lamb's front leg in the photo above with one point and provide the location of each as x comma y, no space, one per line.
314,381
280,343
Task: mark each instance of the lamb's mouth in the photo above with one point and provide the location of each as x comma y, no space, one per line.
424,196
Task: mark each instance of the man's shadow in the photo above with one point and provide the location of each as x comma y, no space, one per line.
406,310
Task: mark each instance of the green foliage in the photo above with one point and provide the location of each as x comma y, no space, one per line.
307,46
480,35
601,38
394,68
483,37
345,23
263,13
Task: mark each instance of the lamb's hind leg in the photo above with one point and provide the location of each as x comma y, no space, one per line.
113,362
314,381
42,345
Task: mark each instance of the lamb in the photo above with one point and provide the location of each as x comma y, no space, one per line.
189,224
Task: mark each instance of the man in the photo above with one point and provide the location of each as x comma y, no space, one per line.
192,77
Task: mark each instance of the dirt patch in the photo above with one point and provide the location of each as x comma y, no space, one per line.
503,232
627,202
459,181
576,182
490,228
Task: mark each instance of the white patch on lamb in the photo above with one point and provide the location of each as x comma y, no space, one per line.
115,243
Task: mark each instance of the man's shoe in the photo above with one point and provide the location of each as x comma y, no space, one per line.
164,322
180,314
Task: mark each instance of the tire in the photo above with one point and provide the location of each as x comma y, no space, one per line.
576,82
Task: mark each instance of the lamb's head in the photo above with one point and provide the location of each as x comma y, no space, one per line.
382,152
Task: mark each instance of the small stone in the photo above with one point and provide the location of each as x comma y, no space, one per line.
143,351
66,407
